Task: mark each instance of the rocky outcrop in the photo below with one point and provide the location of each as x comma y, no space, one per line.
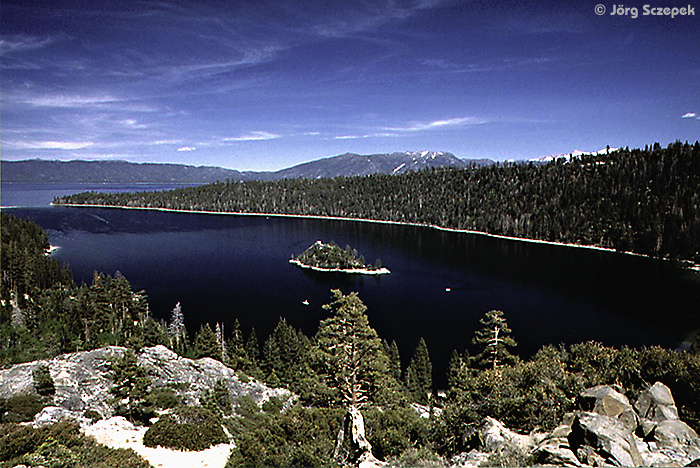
608,431
83,379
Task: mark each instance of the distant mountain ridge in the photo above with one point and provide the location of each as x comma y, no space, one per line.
348,164
90,172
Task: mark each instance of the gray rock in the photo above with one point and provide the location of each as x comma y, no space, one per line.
496,437
165,367
604,400
470,459
608,436
83,379
657,403
607,401
53,414
555,451
604,436
674,432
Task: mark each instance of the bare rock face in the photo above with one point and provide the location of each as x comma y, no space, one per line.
165,367
609,432
657,403
83,380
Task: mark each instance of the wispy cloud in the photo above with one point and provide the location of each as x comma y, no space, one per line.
22,43
187,148
49,145
439,124
370,135
360,17
74,101
253,136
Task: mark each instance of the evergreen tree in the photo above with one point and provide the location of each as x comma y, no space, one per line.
131,389
206,344
252,348
235,347
42,380
286,352
493,339
176,331
419,375
353,353
392,352
219,332
458,370
355,364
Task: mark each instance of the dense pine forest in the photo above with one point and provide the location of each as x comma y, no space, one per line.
641,200
345,364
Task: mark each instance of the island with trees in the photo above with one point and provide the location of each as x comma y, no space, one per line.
331,257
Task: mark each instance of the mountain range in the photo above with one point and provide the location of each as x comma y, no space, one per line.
349,164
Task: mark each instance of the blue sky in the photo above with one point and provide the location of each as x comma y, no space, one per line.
263,85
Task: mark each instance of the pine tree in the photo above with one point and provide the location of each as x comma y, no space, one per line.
353,352
355,363
221,342
42,380
236,349
286,352
131,389
458,370
419,375
392,352
493,339
206,344
176,331
252,348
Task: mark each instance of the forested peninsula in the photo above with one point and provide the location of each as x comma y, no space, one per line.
644,201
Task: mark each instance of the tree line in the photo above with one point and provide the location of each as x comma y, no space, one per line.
641,200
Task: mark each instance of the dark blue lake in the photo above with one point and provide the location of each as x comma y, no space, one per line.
223,267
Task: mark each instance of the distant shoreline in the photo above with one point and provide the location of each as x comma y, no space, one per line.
688,264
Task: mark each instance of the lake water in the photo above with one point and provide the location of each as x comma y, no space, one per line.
223,267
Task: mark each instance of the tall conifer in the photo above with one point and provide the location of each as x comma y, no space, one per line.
493,339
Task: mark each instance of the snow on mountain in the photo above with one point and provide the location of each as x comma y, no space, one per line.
568,156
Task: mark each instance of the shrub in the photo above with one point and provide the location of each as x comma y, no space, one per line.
92,415
186,428
164,398
418,458
60,445
299,436
42,380
392,430
20,408
16,440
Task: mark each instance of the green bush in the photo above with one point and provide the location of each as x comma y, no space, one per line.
16,440
42,381
60,445
163,398
418,458
186,428
20,408
299,436
392,430
92,415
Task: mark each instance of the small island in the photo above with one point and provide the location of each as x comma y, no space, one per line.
330,257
